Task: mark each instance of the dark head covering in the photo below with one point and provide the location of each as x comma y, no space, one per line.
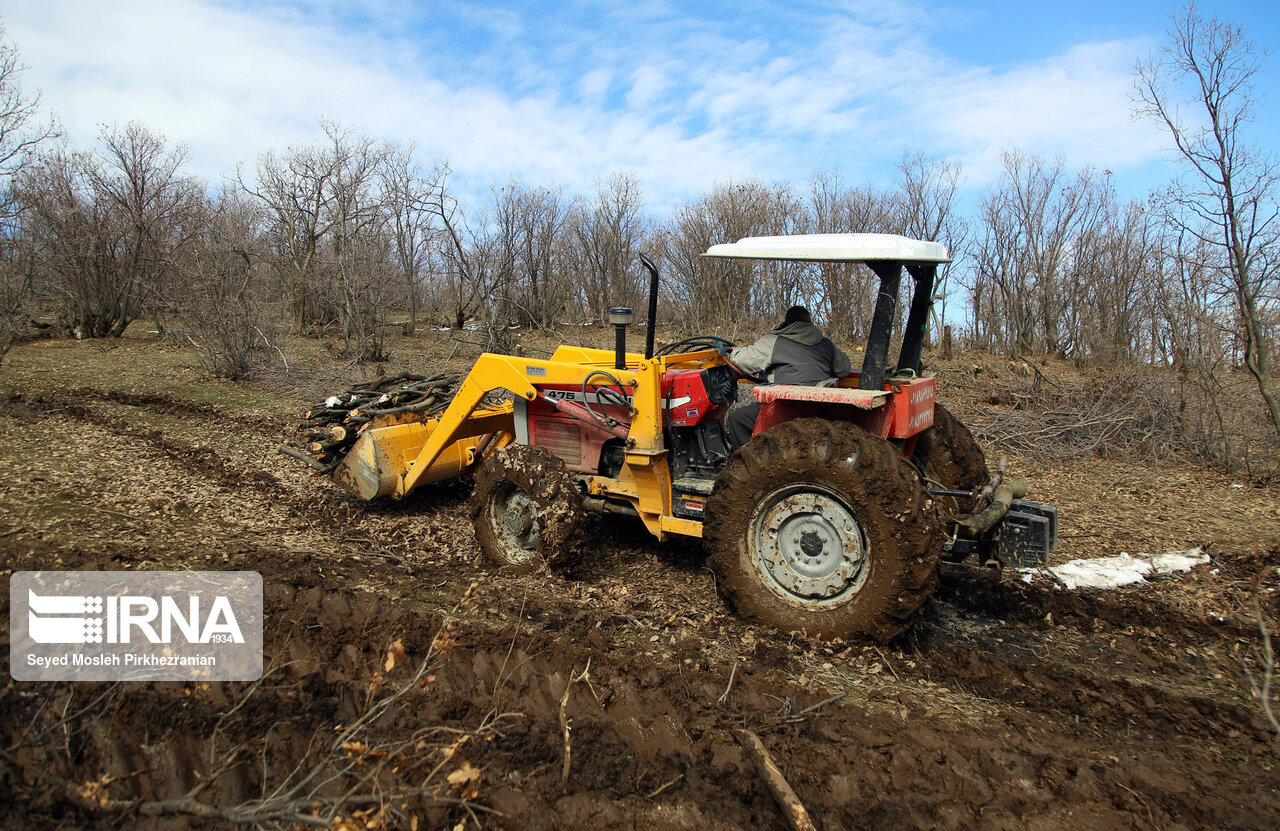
797,314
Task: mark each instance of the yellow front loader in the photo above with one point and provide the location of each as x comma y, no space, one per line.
393,461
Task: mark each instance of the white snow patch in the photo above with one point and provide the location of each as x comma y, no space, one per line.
333,401
1120,570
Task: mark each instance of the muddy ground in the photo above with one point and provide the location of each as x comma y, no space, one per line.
409,686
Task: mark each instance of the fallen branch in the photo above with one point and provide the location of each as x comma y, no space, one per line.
311,461
800,716
724,695
664,787
585,675
1039,374
782,792
283,359
1261,686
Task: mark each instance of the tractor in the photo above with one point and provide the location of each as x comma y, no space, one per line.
832,521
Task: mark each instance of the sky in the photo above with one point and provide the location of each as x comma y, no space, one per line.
683,95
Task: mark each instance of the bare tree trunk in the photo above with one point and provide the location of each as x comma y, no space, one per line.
1229,201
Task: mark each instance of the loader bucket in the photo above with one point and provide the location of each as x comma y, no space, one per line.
378,460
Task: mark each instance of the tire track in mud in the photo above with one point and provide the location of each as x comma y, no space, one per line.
171,406
226,473
327,657
1107,700
1094,658
340,533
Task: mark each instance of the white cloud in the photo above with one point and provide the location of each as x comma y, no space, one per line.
700,106
647,84
1074,104
594,86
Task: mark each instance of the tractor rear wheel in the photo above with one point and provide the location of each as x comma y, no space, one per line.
948,455
819,527
526,509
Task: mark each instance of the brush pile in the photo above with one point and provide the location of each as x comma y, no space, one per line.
328,429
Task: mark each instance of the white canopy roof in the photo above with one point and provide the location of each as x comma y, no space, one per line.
833,248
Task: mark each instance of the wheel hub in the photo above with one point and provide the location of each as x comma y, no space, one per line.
810,544
519,516
515,517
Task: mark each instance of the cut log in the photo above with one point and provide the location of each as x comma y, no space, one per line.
424,404
783,794
329,432
326,412
1001,502
295,453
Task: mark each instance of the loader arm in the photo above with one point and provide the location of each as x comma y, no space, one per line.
490,374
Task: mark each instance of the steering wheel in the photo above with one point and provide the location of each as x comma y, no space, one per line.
724,356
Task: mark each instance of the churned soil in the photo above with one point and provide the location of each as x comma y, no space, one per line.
421,689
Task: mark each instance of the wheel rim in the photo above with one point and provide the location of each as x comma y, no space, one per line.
809,545
514,517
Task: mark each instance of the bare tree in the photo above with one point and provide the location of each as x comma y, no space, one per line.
21,134
1027,228
159,209
846,293
362,252
1191,312
406,193
606,235
339,250
1111,279
711,290
108,230
464,255
543,286
21,129
295,189
926,209
1200,87
218,301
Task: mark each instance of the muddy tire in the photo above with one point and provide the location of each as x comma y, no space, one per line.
527,512
948,454
819,527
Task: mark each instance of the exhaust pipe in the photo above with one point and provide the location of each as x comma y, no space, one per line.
653,304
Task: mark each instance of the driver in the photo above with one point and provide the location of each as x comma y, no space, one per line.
793,352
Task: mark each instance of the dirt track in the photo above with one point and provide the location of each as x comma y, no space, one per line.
1008,706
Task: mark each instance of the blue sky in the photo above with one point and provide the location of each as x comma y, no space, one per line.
682,94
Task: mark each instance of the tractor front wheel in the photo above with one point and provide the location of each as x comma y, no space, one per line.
819,527
527,511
